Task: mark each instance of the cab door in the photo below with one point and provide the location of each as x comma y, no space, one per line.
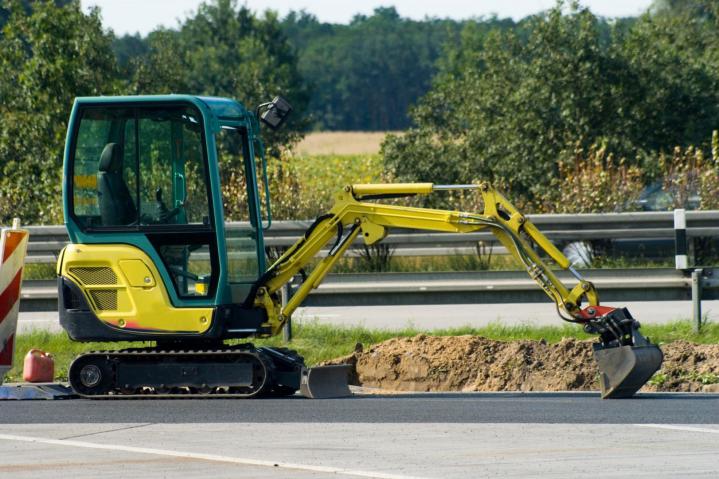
140,176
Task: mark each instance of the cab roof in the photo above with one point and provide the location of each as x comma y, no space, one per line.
221,108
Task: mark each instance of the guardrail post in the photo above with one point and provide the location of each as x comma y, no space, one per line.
287,328
697,299
680,239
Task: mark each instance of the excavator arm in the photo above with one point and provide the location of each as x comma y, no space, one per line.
626,359
353,216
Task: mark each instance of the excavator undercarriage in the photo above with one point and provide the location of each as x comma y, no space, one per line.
241,371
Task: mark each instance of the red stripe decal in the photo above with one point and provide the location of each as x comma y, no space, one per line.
6,353
9,297
12,239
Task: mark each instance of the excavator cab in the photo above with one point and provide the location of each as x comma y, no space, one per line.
152,257
143,196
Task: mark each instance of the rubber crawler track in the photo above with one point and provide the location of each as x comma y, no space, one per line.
114,358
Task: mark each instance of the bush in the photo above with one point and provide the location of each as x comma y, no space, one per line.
688,173
302,187
594,181
48,56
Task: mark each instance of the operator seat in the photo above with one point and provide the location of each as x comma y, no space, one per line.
116,205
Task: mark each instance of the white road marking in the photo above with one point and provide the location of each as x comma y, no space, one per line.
680,428
207,457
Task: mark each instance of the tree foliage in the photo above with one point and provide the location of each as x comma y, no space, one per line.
503,108
672,91
48,57
225,50
26,6
366,74
509,108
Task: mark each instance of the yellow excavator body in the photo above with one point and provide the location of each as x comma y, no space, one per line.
152,258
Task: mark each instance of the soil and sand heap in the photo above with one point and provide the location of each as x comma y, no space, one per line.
473,363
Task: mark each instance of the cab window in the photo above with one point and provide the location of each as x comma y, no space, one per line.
136,167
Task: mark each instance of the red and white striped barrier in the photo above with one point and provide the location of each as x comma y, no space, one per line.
13,246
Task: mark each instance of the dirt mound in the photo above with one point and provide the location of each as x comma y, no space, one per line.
472,363
688,367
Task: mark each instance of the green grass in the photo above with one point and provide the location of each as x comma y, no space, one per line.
608,262
38,271
660,379
320,342
429,264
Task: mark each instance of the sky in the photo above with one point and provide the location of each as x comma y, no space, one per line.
143,16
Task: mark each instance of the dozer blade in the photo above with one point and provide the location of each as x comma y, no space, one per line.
623,370
326,382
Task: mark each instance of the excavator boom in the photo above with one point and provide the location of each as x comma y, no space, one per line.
626,359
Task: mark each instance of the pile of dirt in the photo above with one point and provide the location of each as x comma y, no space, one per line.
473,363
688,367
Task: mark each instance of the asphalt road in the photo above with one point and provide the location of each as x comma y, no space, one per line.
567,408
409,436
560,435
428,317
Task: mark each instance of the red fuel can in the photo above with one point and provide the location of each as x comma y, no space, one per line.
39,367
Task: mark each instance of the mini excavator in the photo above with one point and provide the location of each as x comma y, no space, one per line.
148,183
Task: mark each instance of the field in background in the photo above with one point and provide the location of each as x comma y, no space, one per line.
341,143
304,186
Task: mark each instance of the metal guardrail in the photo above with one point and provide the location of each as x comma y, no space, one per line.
654,284
474,287
47,241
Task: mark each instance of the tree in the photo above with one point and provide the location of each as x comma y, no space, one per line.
27,7
127,48
510,107
705,9
48,57
226,50
673,54
365,75
505,109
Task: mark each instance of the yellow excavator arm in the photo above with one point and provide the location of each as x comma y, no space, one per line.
626,359
354,215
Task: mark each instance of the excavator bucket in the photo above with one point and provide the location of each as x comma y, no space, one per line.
324,382
623,370
625,358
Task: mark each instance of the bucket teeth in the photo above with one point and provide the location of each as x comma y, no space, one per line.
326,382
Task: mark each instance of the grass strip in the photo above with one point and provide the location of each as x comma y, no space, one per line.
319,342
